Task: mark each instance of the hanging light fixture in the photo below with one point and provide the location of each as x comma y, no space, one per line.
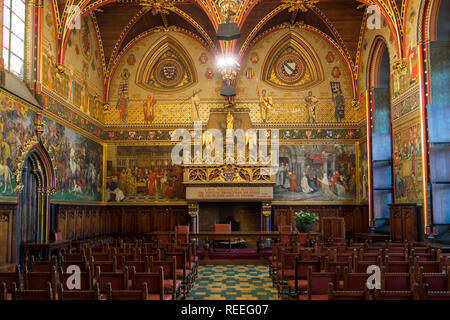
229,30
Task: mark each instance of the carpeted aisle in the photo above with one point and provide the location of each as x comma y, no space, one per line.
233,282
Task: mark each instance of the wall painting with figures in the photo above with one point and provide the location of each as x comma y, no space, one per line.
316,173
407,160
143,174
76,159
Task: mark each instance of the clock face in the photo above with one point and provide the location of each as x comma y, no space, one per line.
290,68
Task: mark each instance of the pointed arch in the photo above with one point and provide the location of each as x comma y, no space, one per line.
307,69
166,66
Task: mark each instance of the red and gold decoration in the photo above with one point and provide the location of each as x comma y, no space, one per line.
336,72
254,58
292,64
203,58
209,73
166,67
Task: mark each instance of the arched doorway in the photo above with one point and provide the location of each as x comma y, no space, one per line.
36,184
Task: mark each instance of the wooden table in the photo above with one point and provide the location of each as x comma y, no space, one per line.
44,250
372,236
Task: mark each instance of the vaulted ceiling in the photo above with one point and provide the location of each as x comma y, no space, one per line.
121,21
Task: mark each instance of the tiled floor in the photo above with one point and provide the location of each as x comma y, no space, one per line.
233,282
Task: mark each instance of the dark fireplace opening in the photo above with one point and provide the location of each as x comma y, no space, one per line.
243,216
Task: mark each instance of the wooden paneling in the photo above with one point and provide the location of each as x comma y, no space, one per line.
6,234
403,222
356,217
84,222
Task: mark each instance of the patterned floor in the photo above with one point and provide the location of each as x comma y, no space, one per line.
233,282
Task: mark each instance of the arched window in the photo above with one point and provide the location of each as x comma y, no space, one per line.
14,36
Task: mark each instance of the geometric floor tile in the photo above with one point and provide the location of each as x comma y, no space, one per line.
233,282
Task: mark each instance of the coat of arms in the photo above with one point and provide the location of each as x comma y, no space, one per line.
203,58
209,73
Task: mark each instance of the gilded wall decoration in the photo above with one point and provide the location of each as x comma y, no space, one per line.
292,64
166,66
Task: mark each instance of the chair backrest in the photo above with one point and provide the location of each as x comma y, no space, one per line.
9,278
318,281
153,280
347,295
43,266
393,295
127,294
86,281
434,295
169,266
91,294
397,281
302,267
354,281
361,266
435,281
222,228
182,233
45,294
118,280
39,280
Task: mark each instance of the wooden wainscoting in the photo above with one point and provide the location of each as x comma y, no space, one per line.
84,222
7,231
356,217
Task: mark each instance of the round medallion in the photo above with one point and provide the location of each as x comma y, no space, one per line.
169,72
290,68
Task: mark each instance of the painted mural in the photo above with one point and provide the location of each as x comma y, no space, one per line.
81,83
143,174
316,173
363,173
407,162
77,160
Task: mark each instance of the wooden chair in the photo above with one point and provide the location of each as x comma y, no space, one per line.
43,266
182,234
397,281
182,272
171,283
118,280
222,228
429,266
86,281
434,295
287,272
393,295
9,278
398,266
127,294
39,280
361,266
347,295
82,263
318,283
91,294
155,284
354,281
334,266
423,256
435,281
105,266
300,282
140,265
45,294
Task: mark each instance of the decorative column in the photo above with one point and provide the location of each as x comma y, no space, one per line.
193,214
266,210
